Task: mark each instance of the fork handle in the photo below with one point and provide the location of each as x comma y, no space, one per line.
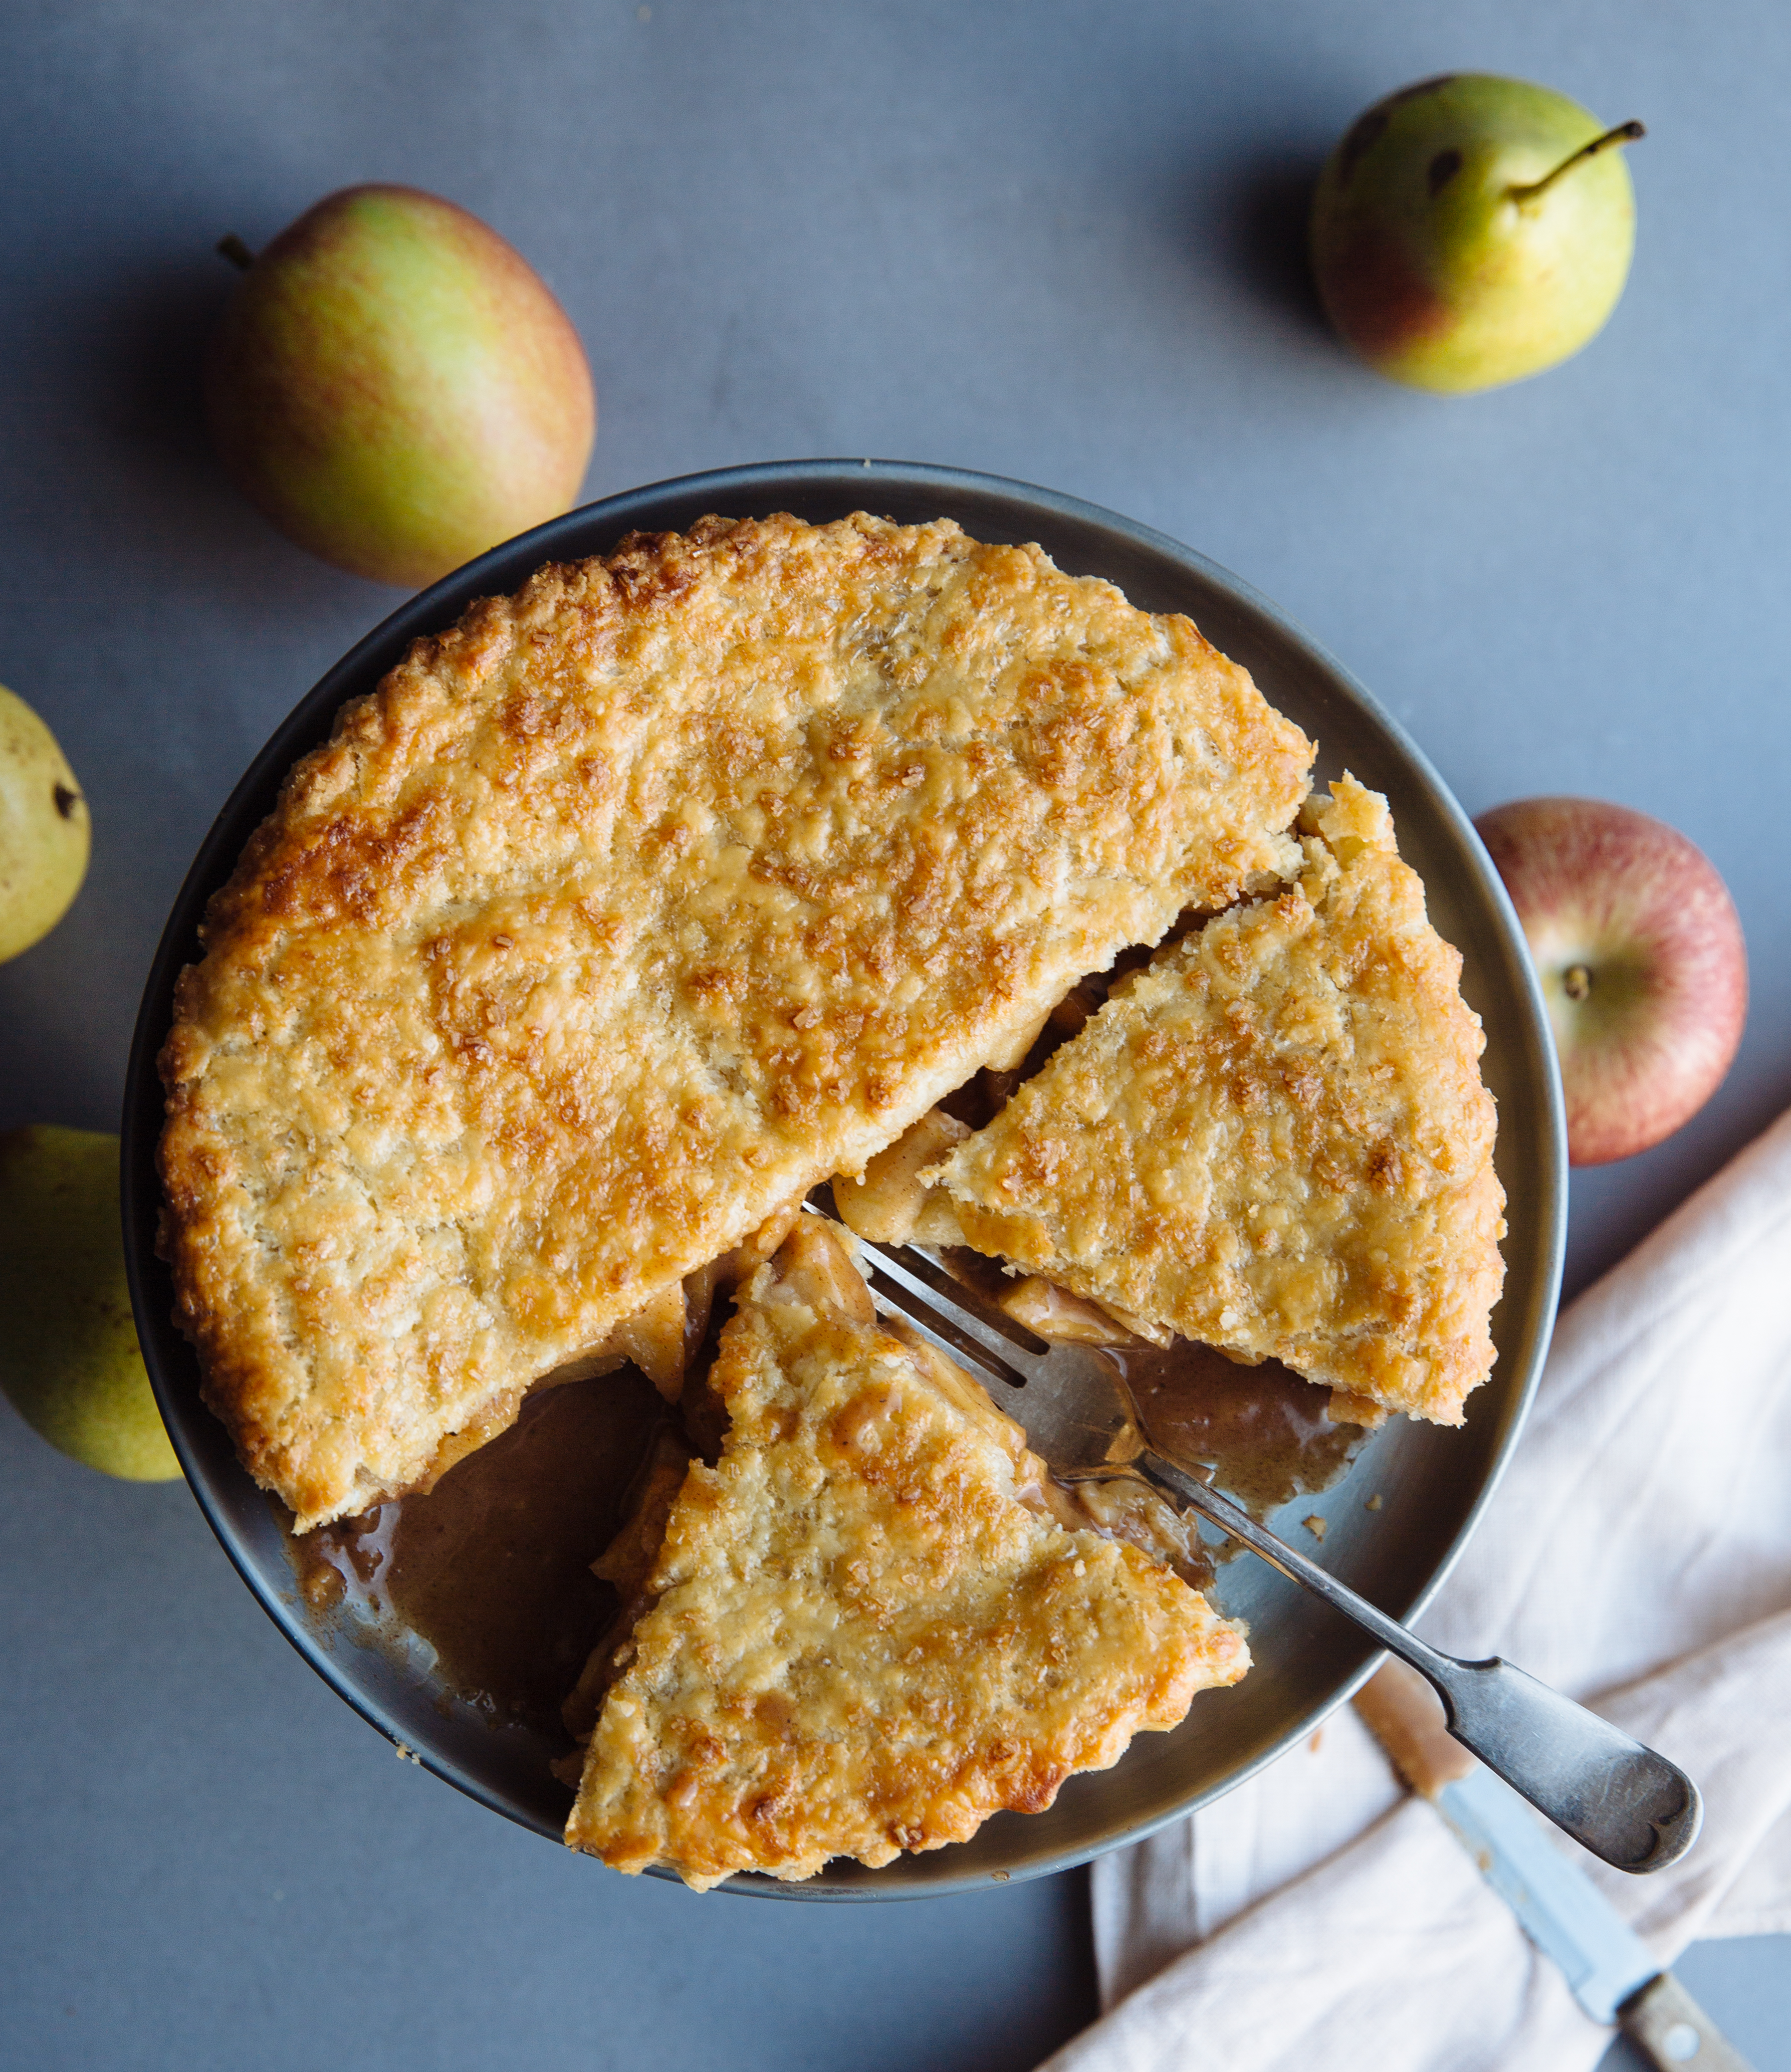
1628,1805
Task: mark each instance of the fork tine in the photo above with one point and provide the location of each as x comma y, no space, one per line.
914,1301
983,1365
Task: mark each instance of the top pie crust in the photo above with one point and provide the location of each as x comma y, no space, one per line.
1275,1139
631,907
863,1637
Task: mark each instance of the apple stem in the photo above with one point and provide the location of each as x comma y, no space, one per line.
232,247
1576,981
1625,133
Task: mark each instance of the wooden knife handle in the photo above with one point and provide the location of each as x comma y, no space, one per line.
1674,2033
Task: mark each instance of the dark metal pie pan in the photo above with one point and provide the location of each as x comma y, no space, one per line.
1432,1483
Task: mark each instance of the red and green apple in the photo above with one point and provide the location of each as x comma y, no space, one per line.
1639,950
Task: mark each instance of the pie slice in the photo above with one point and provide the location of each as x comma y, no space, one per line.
1275,1139
630,907
863,1635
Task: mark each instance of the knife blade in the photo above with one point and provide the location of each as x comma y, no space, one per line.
1605,1963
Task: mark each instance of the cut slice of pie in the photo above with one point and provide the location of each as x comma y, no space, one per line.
867,1633
1275,1139
630,907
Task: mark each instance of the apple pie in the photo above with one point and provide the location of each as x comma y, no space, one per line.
1275,1139
630,907
866,1629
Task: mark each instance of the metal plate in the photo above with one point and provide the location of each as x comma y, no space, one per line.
1432,1483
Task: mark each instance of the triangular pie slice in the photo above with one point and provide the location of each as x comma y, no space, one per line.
867,1634
1275,1139
630,907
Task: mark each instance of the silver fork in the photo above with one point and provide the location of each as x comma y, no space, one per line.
1621,1800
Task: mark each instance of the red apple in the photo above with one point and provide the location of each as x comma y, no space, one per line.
1639,952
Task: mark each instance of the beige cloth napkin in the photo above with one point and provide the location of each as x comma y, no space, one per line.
1638,1557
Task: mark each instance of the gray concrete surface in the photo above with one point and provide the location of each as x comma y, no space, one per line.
1058,242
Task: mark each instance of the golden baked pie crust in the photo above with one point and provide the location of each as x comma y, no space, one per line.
632,907
863,1640
1276,1140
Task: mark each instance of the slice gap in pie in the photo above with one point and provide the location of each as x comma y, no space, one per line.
635,905
866,1630
1275,1139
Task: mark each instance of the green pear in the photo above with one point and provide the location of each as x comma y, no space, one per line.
396,386
69,1360
1471,230
43,829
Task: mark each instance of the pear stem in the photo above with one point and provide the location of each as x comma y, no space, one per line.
232,247
1625,133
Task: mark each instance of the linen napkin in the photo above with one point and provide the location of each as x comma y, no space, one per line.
1637,1556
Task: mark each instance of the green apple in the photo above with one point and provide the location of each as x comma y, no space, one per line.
43,829
1471,230
396,386
69,1360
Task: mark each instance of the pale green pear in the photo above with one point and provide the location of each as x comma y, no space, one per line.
69,1359
43,831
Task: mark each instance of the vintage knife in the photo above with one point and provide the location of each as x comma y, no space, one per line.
1608,1965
